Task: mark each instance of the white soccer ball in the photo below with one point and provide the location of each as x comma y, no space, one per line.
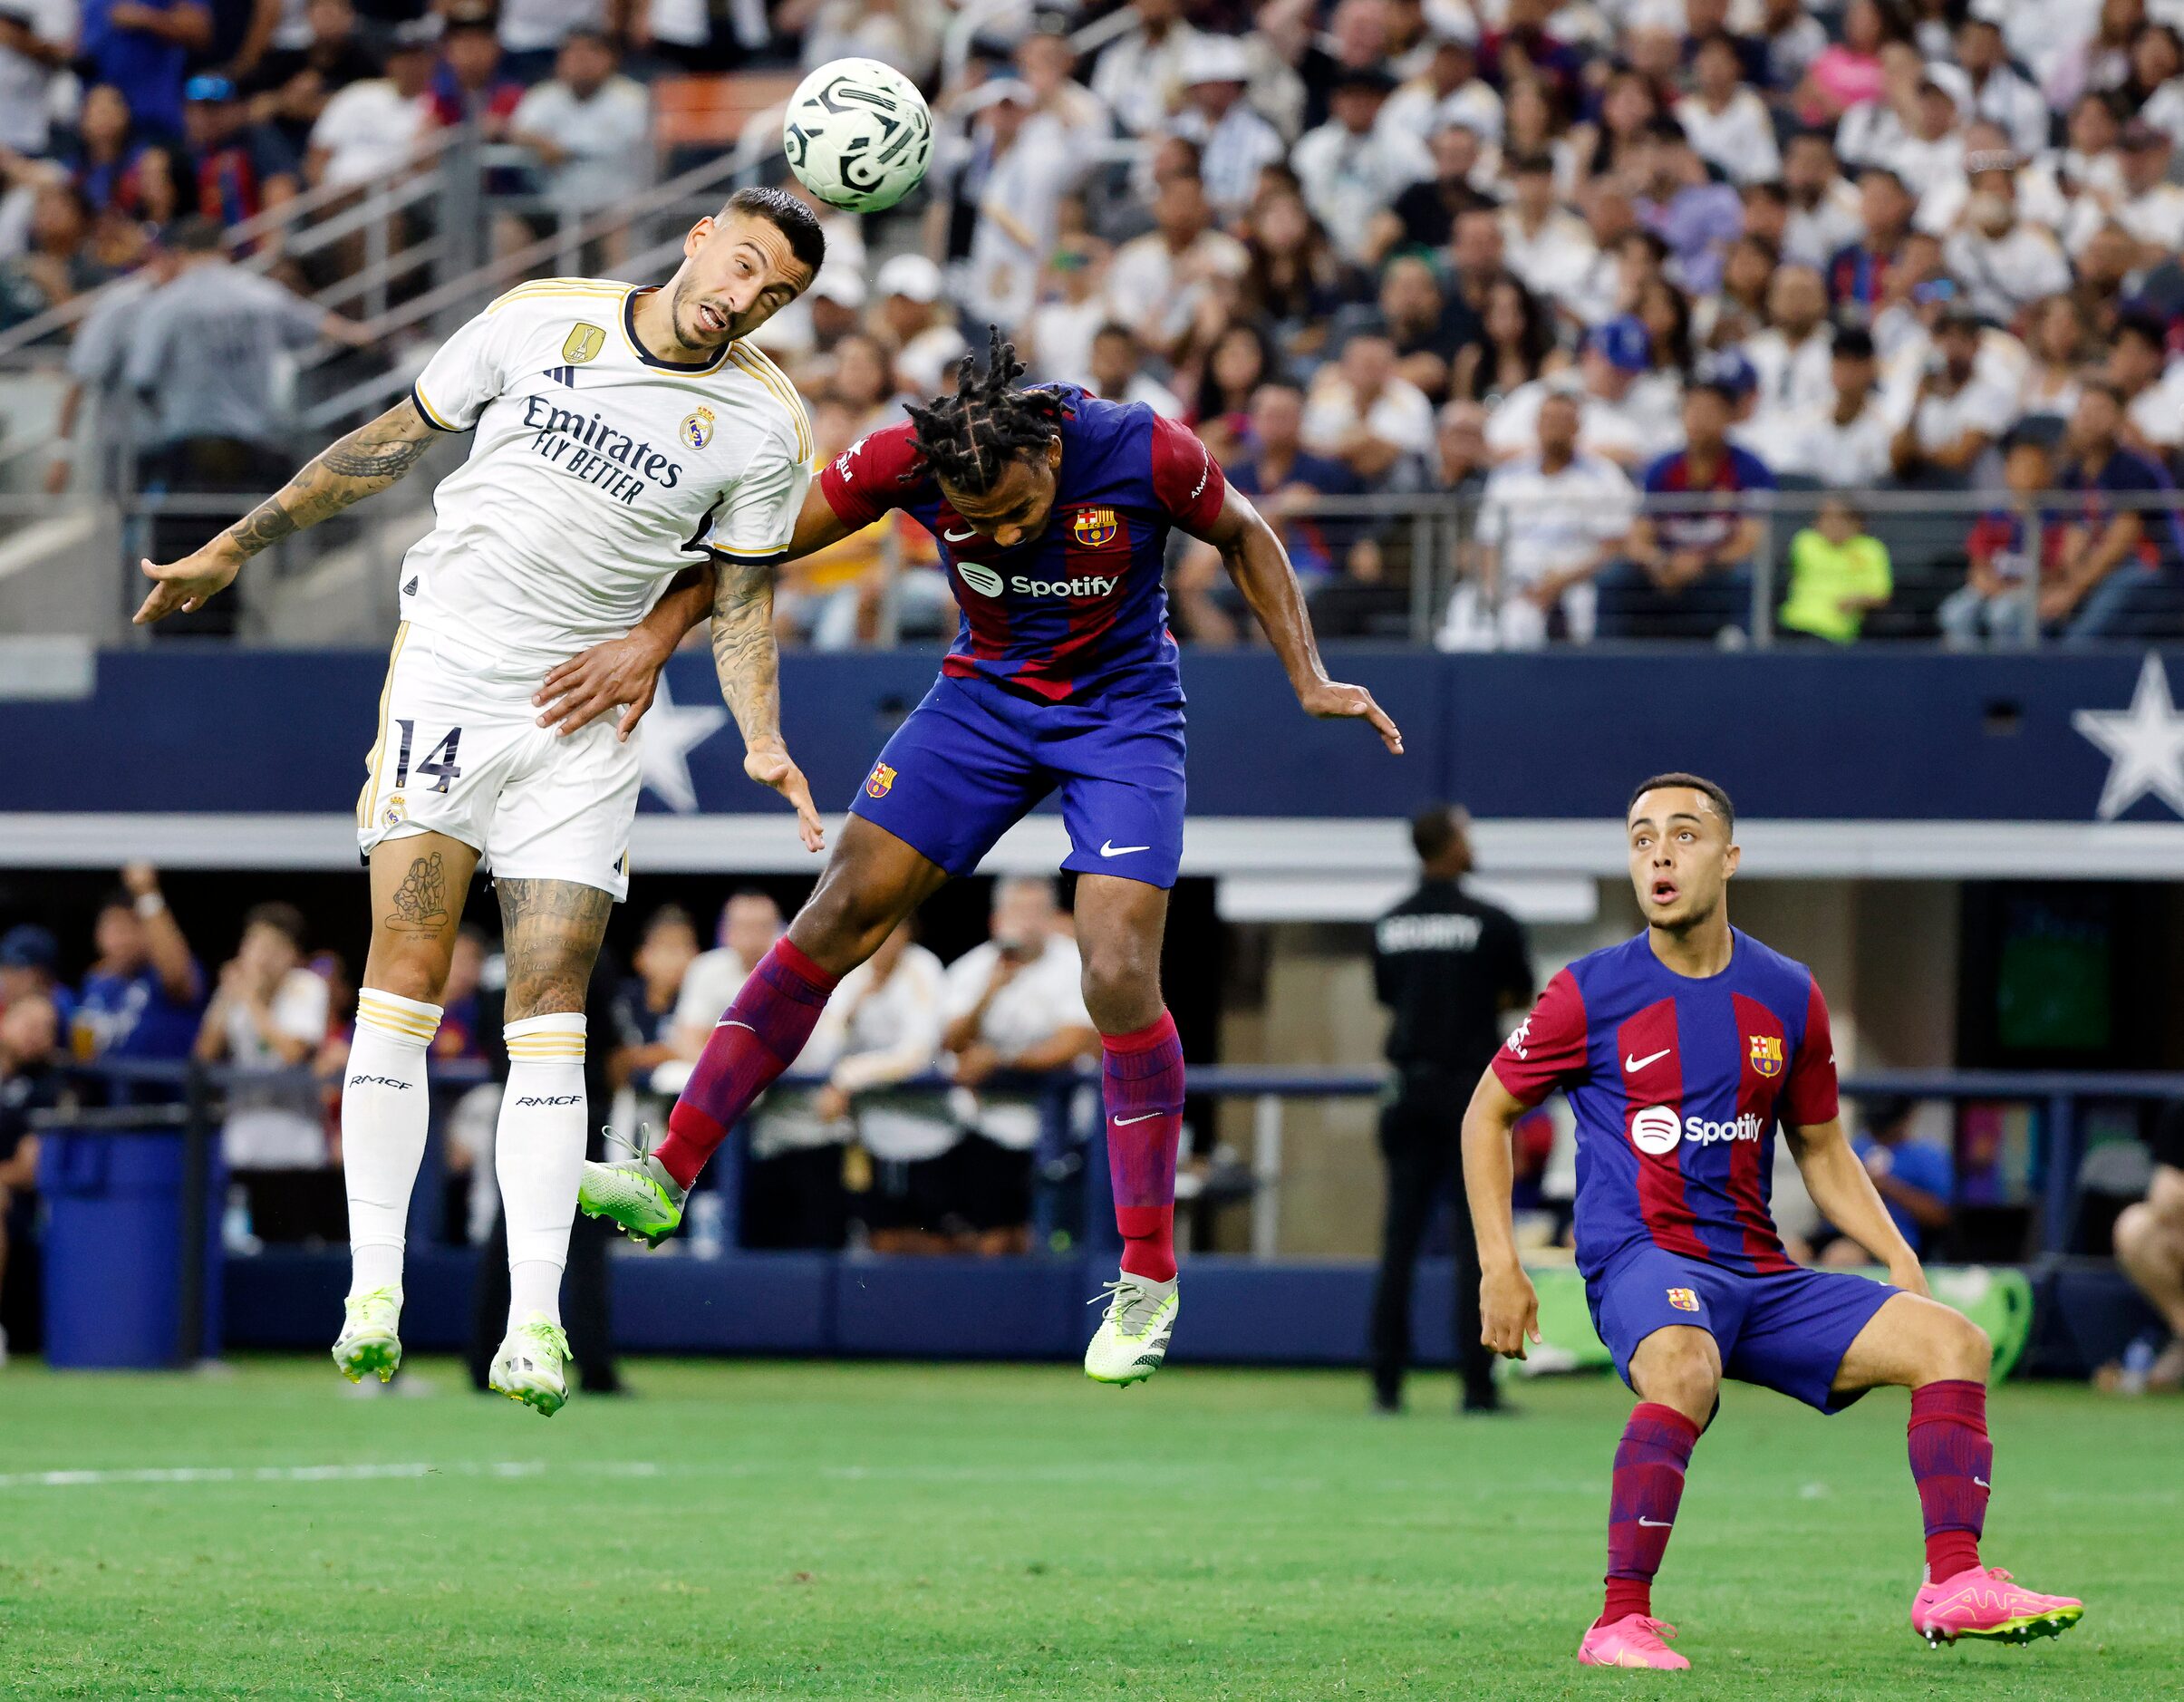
858,134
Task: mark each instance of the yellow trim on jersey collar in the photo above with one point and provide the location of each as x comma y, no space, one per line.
751,361
546,287
627,319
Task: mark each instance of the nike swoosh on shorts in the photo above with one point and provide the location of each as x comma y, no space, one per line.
1110,849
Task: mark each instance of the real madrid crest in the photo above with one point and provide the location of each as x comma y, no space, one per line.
582,344
698,427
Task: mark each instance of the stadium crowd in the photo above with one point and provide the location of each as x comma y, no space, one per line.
1608,272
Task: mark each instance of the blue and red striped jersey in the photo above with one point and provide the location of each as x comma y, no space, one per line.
1678,1084
1082,605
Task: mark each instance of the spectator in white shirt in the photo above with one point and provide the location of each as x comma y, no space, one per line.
1157,280
2004,264
1448,91
2150,207
1015,1003
268,1017
1063,109
1140,75
1956,417
1844,443
2152,386
1016,176
1728,124
1361,410
1547,245
585,127
1998,93
368,130
1058,345
1616,355
750,923
1823,218
36,37
1116,367
887,1015
1349,168
1548,523
1789,359
1234,142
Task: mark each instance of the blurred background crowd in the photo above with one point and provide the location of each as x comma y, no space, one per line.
1632,281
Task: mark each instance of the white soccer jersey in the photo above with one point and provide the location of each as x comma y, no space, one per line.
598,472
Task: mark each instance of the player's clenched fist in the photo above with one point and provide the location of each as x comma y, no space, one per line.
1509,1310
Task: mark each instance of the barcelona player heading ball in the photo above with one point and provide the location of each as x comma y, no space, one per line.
1052,511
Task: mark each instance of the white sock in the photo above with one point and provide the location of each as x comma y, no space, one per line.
538,1155
384,1116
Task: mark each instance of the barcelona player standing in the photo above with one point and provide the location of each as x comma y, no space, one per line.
1052,509
1681,1050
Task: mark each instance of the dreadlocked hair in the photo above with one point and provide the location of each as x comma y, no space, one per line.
969,439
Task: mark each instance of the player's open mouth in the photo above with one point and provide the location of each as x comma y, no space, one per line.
1664,892
712,320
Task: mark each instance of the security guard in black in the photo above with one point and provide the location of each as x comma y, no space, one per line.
1447,965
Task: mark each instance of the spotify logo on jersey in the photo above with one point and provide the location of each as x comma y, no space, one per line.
982,580
1656,1130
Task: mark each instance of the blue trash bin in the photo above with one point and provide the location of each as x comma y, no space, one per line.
114,1278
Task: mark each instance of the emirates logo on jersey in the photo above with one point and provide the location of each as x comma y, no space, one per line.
1767,1054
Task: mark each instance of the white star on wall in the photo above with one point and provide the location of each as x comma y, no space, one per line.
2145,745
670,735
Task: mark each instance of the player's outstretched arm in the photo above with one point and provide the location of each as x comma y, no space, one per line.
1509,1308
749,662
366,461
624,673
1846,1197
1260,568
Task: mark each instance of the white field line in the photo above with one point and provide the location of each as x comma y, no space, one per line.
349,1474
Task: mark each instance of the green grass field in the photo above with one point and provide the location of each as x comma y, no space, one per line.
923,1531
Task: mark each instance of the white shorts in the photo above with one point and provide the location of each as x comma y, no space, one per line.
459,751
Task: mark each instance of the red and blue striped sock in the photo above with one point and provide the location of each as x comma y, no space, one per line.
1142,1083
1648,1483
1952,1462
760,1036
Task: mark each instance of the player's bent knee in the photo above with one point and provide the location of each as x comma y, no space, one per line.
1959,1348
1121,988
417,971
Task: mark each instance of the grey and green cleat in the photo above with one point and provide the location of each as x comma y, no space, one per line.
1132,1339
533,1367
369,1340
637,1194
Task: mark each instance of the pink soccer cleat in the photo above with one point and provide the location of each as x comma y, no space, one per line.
1633,1640
1984,1602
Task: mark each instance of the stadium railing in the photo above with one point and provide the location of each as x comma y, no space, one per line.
1072,1210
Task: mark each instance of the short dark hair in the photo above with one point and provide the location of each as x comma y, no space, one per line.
795,221
669,916
196,234
1853,342
969,439
1436,827
2145,326
1698,783
281,917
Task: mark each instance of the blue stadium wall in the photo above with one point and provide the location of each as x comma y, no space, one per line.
1866,761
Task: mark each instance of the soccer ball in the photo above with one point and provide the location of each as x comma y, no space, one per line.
858,134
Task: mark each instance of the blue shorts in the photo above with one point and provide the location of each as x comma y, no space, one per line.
1787,1331
973,758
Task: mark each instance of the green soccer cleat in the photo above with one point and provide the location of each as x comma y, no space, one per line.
637,1194
1132,1339
533,1367
369,1341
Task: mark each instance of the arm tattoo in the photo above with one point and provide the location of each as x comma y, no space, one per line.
745,655
550,932
368,459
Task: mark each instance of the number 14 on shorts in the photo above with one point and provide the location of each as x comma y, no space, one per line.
440,763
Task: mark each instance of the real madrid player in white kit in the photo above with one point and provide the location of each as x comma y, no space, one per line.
624,438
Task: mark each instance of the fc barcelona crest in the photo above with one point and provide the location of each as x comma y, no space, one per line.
1683,1300
1767,1054
1095,527
582,344
879,781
